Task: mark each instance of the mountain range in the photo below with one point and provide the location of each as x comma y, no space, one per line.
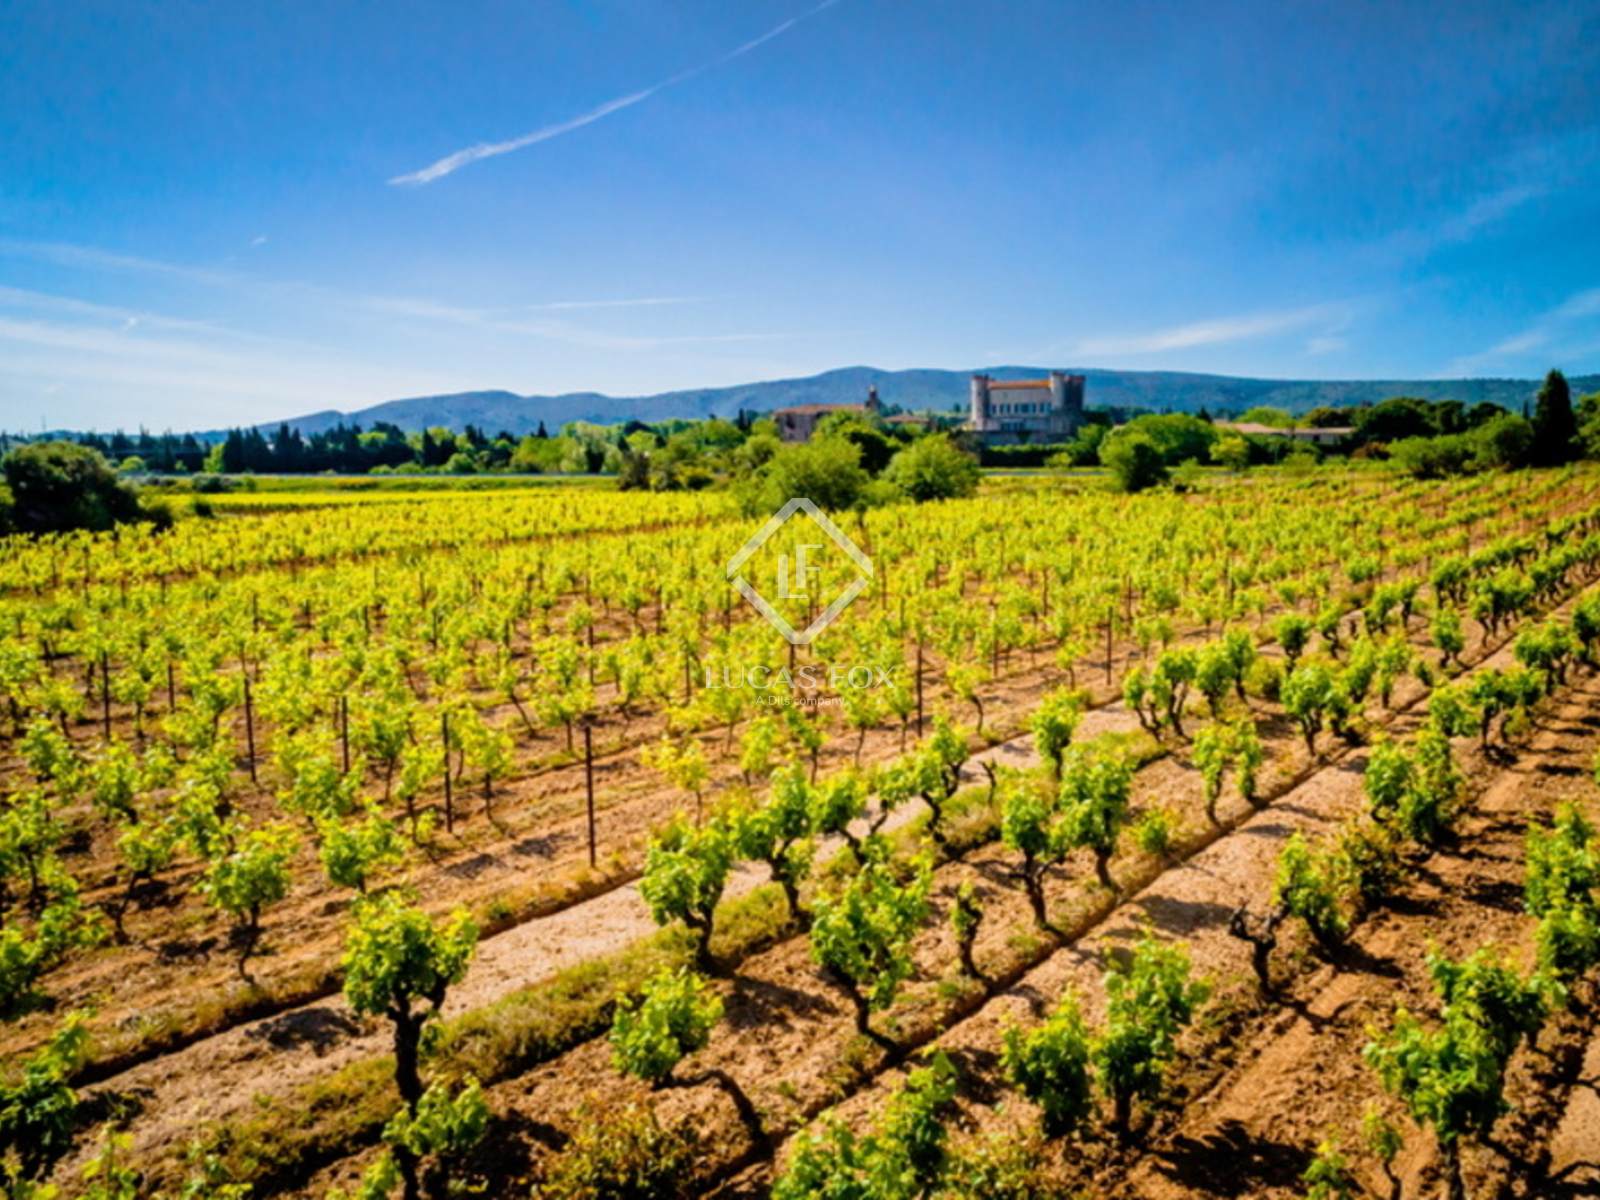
920,389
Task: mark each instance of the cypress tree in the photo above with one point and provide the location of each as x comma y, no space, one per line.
1555,429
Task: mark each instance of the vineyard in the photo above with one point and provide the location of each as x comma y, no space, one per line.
1229,842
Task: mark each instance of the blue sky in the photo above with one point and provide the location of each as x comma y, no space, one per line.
213,214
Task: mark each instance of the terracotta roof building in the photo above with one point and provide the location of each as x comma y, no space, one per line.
798,422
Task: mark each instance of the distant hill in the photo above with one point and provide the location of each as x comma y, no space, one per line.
918,388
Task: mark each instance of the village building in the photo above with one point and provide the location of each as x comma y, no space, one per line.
1328,436
798,422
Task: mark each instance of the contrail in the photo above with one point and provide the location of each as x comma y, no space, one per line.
451,163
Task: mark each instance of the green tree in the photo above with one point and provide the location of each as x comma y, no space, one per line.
1555,428
1507,441
1133,460
1263,414
60,486
933,468
1231,451
826,471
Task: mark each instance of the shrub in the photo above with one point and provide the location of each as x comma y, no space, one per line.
1452,1077
60,486
623,1153
38,1112
1053,723
1050,1065
826,471
1308,886
778,833
933,468
395,956
246,880
1219,746
1329,1176
1150,998
900,1160
862,935
1504,441
1032,826
685,871
1308,696
1133,460
673,1017
1434,457
1094,804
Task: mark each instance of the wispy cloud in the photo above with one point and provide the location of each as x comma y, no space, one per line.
520,320
66,254
635,302
451,163
1487,210
510,322
1551,334
1214,332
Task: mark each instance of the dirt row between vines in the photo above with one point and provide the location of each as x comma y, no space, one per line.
1262,1101
1291,1073
789,1040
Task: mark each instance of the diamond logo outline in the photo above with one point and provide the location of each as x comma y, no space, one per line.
760,538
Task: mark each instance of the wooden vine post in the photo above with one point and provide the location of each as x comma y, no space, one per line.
449,806
588,784
919,687
105,693
250,729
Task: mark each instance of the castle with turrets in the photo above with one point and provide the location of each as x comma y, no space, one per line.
1009,411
